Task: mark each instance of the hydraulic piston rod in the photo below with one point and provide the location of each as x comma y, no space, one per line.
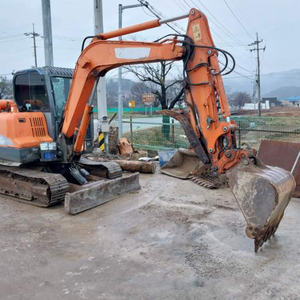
138,27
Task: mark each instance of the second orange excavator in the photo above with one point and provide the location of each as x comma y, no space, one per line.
213,160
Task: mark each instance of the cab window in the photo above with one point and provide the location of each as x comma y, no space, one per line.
30,92
61,88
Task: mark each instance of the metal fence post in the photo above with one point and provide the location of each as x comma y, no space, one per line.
239,133
173,133
131,132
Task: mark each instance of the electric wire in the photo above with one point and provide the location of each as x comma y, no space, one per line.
10,36
215,33
158,14
13,40
179,5
238,19
220,26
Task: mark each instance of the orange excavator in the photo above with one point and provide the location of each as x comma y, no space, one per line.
262,192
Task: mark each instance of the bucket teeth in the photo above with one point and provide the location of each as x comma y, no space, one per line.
203,182
264,236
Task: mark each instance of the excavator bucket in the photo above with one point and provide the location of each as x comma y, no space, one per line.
263,193
185,164
181,164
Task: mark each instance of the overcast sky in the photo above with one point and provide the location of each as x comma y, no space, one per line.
233,27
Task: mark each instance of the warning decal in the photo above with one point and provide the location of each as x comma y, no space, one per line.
197,32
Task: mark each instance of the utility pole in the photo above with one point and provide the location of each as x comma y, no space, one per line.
47,28
257,49
103,126
33,35
120,99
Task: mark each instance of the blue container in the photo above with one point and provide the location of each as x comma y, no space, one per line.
165,156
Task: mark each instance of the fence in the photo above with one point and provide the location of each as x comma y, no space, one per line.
153,134
137,110
253,129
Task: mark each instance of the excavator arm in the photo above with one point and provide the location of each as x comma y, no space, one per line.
262,192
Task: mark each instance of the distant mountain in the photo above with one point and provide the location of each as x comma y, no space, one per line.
112,84
269,82
284,92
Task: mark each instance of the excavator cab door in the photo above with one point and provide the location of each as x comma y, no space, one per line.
32,95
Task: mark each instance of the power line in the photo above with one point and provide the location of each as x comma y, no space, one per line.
12,40
10,36
235,77
222,28
225,41
248,21
230,35
242,55
179,5
15,60
7,51
244,76
236,72
244,69
158,14
237,19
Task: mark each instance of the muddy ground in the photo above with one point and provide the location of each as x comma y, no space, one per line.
171,240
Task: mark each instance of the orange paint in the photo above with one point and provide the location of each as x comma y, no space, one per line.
23,129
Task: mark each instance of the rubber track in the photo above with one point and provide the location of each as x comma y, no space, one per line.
58,184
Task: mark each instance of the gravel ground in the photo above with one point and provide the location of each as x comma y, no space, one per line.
171,240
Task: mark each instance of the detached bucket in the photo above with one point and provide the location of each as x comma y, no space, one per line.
181,164
165,156
262,193
285,155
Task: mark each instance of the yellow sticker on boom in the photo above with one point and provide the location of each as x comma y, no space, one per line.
197,32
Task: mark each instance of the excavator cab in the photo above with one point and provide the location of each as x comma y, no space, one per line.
46,90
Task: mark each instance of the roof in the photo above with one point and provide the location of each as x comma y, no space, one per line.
50,71
295,98
60,72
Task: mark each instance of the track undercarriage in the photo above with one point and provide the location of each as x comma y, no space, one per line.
37,186
32,186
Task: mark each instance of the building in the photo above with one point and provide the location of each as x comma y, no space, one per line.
254,106
291,101
272,100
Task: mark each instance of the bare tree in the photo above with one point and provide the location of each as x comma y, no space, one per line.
5,88
157,76
137,91
239,99
162,83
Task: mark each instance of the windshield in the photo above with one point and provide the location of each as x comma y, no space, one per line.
30,92
61,87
